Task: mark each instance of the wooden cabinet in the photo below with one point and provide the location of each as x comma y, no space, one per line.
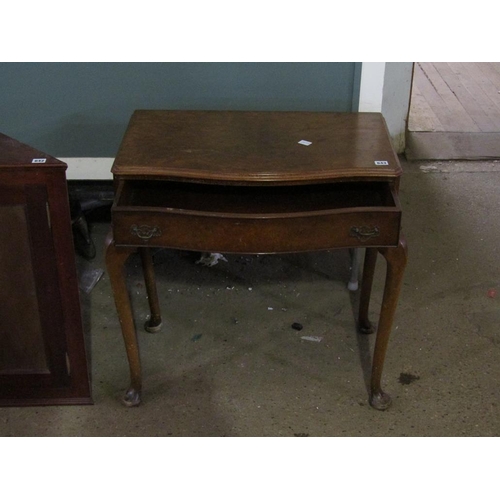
42,349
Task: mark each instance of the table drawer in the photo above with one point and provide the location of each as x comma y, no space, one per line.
245,219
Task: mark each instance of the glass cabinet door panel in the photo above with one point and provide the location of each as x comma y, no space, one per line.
22,347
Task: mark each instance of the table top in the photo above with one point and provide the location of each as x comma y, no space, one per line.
250,147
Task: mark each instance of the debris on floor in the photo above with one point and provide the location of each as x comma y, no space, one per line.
312,338
210,259
428,168
88,278
195,338
407,378
297,326
492,293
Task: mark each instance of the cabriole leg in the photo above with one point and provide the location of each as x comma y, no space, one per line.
396,258
364,324
153,325
115,263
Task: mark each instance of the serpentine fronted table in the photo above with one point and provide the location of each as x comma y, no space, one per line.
252,183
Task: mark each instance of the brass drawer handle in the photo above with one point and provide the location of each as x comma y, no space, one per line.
364,233
145,232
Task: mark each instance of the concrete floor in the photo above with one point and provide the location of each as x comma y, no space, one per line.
229,363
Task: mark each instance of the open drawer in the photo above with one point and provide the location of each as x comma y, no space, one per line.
255,219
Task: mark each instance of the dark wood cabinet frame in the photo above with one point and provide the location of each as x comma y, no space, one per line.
43,359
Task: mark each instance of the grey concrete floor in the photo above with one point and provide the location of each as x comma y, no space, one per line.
229,363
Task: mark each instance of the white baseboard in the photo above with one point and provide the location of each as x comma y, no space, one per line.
88,169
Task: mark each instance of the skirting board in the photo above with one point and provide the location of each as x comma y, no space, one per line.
88,169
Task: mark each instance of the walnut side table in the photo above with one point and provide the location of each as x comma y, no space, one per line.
256,182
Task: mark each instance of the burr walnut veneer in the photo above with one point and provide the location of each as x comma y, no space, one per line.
256,182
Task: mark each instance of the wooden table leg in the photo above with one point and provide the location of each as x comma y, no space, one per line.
396,258
115,263
364,324
153,325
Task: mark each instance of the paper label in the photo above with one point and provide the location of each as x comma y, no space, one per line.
380,162
38,160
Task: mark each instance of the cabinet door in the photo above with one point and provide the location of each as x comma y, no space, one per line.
33,354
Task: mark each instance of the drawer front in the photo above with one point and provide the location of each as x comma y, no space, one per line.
259,234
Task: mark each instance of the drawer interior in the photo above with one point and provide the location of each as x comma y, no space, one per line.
186,196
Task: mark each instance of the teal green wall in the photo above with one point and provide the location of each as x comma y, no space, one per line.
82,109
